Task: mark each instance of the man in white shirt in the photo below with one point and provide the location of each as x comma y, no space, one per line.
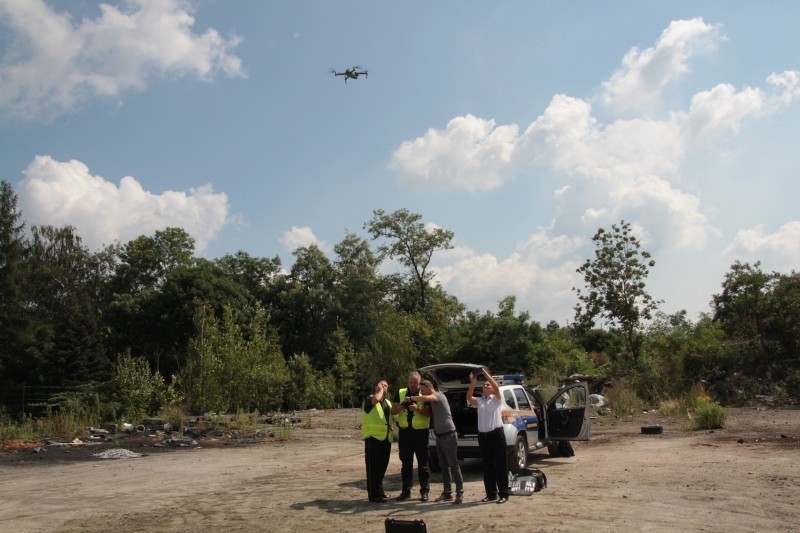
491,439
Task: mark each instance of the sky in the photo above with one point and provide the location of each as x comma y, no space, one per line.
520,126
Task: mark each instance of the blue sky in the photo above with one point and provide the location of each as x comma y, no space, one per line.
521,126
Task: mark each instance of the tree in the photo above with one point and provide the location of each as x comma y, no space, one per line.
741,307
13,322
615,284
503,342
411,242
150,297
66,346
306,311
261,277
228,370
761,310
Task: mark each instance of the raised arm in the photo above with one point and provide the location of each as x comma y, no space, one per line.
491,381
473,380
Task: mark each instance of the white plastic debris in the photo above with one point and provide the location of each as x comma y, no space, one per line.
117,453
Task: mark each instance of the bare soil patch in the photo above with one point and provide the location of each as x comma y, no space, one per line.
744,477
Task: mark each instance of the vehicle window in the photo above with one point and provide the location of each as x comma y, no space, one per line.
571,398
509,398
522,400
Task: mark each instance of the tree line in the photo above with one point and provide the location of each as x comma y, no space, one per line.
138,326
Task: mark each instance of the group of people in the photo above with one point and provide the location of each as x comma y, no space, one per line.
416,409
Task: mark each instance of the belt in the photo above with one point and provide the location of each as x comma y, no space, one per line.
446,433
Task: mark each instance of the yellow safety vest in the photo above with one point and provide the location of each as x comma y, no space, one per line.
418,420
374,423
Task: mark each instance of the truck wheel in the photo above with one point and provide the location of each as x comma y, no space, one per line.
518,455
433,461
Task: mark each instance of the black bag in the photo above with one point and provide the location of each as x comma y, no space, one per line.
528,481
396,525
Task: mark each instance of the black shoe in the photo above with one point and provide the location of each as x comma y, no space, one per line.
502,499
489,499
403,496
379,499
423,497
459,497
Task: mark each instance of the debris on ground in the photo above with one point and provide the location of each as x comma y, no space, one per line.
116,453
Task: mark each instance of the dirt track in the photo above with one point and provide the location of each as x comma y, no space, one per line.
745,477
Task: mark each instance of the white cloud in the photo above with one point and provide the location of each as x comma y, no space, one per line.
789,81
55,64
299,237
470,154
65,193
634,168
637,85
567,138
723,108
540,273
779,250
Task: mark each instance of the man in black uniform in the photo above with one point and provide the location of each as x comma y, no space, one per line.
413,419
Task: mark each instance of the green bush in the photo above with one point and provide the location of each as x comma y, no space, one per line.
793,384
708,415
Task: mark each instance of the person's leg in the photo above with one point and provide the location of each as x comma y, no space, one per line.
451,444
500,463
384,454
406,449
489,482
373,492
421,453
446,483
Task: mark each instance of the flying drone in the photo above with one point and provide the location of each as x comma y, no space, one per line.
350,73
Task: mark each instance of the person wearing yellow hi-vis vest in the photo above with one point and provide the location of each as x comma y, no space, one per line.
376,432
413,419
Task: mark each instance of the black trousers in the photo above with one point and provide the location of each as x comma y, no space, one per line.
376,458
414,443
495,469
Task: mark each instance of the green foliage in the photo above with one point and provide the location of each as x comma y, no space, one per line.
308,387
708,415
793,384
672,408
66,416
411,242
66,313
138,391
13,318
624,401
557,356
227,371
344,369
615,284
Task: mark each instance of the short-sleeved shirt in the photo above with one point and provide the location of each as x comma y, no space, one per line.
442,418
489,413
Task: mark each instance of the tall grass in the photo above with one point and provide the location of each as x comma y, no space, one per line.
624,401
65,424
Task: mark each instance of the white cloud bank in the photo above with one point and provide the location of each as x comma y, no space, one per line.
54,63
783,246
299,237
629,168
65,193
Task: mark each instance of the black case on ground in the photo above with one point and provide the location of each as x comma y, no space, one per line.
395,525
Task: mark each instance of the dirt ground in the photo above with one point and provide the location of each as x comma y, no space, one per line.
745,477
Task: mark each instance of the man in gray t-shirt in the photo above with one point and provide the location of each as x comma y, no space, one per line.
446,441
